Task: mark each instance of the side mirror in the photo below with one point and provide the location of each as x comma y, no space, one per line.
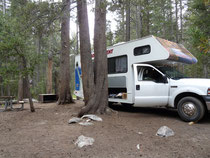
165,79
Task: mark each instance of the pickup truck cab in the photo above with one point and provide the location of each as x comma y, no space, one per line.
166,87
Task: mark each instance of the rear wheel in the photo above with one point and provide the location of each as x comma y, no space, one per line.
190,109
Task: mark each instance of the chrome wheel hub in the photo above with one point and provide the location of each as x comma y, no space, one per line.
189,109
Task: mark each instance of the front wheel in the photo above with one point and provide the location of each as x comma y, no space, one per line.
190,109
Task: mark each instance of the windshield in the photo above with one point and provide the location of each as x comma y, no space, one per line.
171,72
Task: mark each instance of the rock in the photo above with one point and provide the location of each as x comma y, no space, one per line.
84,141
74,120
165,131
86,123
138,146
140,133
191,123
42,122
92,117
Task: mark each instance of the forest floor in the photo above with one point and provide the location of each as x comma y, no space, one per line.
47,134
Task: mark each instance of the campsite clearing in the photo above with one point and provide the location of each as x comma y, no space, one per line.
125,133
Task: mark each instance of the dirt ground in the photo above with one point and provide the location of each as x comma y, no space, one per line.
47,134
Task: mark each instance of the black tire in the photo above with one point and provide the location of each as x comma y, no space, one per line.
190,109
127,105
111,103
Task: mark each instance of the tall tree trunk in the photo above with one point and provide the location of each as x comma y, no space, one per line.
181,21
127,38
55,78
123,21
164,23
77,36
38,45
100,62
176,12
85,50
171,22
98,100
49,73
138,22
22,85
2,91
28,86
8,90
1,86
64,90
147,21
20,89
4,5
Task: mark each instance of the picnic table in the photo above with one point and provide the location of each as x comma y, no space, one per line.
7,102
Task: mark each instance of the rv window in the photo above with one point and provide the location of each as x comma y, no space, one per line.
117,65
142,50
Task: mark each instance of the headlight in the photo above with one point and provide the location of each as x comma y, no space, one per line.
208,91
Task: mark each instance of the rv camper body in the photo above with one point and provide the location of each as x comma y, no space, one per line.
141,74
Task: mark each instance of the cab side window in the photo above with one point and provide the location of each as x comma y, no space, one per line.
150,74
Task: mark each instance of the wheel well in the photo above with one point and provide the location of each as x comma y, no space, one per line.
188,94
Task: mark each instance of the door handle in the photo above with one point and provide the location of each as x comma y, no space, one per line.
137,87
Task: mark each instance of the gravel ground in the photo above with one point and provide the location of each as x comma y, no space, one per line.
47,134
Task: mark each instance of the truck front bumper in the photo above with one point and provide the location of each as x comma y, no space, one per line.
207,100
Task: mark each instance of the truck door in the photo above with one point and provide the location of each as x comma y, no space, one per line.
151,86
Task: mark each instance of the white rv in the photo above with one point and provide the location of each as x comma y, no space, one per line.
141,73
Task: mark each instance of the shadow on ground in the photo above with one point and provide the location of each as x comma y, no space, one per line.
161,112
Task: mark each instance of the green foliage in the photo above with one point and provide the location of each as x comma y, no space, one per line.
38,89
198,35
147,17
199,25
25,33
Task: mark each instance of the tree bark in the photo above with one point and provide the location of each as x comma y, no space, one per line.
28,86
1,87
64,90
38,45
176,12
127,38
22,85
181,21
85,50
49,73
20,89
123,21
171,22
98,98
55,79
147,18
164,23
100,62
138,22
4,5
